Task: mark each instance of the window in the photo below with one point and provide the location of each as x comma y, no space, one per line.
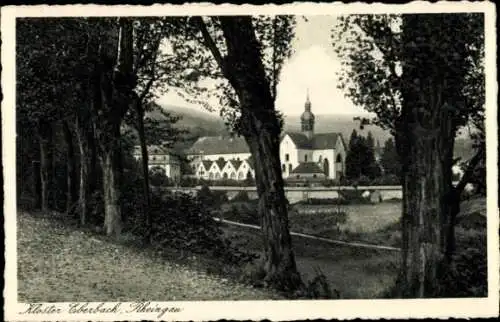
320,158
305,158
289,168
314,176
287,157
339,158
233,175
283,168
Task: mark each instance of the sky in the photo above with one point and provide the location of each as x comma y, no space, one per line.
312,67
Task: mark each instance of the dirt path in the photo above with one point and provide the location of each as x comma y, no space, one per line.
58,264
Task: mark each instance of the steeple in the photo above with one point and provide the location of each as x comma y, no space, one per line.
307,118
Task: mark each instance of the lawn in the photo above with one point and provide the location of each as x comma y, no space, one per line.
356,273
61,264
368,223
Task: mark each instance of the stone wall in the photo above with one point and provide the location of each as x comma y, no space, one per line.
295,194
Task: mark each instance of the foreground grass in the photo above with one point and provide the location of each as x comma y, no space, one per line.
58,264
356,273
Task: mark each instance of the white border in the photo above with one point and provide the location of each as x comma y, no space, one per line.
273,310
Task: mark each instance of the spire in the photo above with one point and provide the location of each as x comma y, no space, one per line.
307,118
308,101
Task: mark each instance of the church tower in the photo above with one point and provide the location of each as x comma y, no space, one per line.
307,119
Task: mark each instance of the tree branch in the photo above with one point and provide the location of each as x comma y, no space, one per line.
469,172
208,40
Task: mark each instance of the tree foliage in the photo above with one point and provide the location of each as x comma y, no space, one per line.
421,74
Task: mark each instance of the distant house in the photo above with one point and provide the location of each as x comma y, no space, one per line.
308,154
322,154
162,158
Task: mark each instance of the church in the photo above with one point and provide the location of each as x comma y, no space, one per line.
304,155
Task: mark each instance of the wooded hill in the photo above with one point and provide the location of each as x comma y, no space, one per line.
202,123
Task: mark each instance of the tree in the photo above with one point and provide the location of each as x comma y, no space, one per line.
390,159
416,73
360,159
353,162
245,55
112,84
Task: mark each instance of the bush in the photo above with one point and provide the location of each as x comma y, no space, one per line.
241,196
468,274
211,199
182,221
353,197
244,212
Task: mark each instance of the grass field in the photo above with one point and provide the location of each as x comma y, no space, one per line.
368,223
356,273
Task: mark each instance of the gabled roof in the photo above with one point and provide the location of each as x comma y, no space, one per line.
250,162
152,150
323,141
307,167
207,164
320,141
207,145
236,163
300,140
221,163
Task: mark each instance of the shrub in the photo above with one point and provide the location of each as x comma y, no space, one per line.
241,196
468,273
183,222
211,199
353,197
244,212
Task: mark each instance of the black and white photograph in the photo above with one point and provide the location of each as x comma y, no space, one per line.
204,162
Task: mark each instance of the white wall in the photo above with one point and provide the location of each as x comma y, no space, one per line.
288,147
329,155
340,149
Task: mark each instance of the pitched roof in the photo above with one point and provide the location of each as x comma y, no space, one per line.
323,141
320,141
236,163
250,162
207,164
207,145
307,167
152,150
300,140
221,163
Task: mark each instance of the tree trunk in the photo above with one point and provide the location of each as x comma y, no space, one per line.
71,171
84,184
279,259
45,164
145,172
111,187
425,219
260,127
112,90
425,142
